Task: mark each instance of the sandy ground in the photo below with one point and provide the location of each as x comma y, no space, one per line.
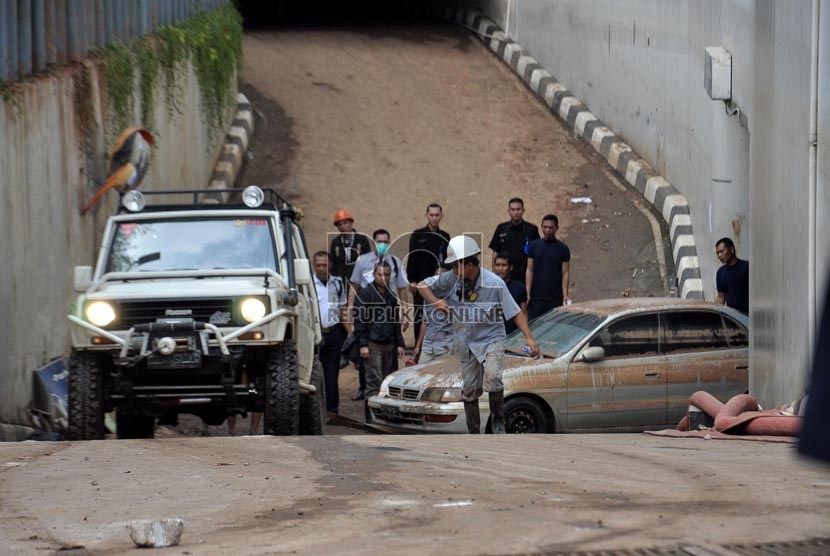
384,119
410,494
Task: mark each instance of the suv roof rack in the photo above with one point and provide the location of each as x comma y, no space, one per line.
209,199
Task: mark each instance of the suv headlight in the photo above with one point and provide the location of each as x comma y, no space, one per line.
252,309
100,313
441,395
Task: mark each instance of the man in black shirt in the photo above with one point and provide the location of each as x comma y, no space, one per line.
733,277
513,238
548,270
427,250
347,246
503,267
377,330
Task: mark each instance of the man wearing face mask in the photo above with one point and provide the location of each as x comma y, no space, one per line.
363,275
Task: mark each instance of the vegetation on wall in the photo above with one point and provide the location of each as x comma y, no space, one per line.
211,41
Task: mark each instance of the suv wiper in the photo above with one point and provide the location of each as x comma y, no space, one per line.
148,258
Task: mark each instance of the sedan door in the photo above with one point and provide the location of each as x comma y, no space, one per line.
628,388
705,350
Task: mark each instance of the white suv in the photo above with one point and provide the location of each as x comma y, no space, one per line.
197,308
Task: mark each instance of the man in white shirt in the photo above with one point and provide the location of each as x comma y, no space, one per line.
331,298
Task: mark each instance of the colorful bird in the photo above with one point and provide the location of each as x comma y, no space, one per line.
129,161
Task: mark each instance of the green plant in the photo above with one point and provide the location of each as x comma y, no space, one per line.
148,69
210,40
119,76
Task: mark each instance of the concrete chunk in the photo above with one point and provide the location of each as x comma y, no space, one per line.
155,533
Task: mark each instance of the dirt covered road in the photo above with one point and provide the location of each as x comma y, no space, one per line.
410,494
384,119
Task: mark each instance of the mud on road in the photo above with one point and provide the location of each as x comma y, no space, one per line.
409,494
383,120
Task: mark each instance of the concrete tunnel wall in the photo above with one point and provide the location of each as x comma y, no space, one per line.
52,142
638,65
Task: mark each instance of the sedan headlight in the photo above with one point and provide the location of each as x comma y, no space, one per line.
252,309
441,395
100,313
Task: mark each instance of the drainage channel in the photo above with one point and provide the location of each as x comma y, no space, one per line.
811,547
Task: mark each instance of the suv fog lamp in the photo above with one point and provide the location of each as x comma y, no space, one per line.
252,309
133,201
100,313
253,196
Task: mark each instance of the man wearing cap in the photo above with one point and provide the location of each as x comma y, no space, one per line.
478,301
347,246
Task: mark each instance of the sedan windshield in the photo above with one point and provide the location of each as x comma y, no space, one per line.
164,245
556,332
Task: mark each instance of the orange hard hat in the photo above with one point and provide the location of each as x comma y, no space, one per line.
342,214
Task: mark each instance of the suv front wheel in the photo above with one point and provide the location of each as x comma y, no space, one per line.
282,391
86,411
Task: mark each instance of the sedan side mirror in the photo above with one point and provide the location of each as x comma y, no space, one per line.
82,278
592,354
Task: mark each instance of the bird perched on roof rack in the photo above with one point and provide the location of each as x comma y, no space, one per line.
129,161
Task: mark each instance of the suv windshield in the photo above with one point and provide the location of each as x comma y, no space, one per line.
219,243
556,332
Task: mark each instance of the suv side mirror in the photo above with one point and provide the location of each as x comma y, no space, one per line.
592,354
302,272
82,278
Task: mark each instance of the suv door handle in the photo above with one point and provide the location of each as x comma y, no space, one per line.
652,375
742,367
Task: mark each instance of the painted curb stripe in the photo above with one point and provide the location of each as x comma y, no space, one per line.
671,204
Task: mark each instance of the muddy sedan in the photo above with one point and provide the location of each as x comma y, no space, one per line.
610,365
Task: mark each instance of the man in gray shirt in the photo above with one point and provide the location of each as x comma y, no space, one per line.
479,303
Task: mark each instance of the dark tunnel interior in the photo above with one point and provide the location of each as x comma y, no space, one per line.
329,13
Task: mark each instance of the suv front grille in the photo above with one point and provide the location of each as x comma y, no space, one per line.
131,313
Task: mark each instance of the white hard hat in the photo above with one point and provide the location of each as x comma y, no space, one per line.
461,247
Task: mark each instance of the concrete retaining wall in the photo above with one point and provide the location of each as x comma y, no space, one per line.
52,143
638,66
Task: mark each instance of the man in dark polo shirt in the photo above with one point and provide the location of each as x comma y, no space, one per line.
513,238
503,266
427,250
548,270
732,278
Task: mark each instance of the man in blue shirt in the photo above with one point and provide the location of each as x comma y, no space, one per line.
733,277
548,270
503,267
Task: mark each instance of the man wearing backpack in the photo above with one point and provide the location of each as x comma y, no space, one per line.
331,299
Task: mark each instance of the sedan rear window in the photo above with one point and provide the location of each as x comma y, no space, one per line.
556,332
688,331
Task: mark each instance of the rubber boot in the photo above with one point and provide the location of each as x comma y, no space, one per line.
367,413
497,412
473,417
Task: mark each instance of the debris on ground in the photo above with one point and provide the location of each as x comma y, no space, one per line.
740,417
155,533
581,200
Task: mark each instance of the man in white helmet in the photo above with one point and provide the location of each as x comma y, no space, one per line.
480,304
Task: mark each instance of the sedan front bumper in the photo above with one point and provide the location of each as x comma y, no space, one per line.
423,417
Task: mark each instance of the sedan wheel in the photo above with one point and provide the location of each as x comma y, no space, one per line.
524,416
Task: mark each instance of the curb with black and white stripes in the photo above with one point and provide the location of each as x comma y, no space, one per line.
236,145
669,203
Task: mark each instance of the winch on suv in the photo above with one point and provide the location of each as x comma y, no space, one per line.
202,308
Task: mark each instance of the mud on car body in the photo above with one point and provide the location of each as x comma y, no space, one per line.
197,308
606,365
